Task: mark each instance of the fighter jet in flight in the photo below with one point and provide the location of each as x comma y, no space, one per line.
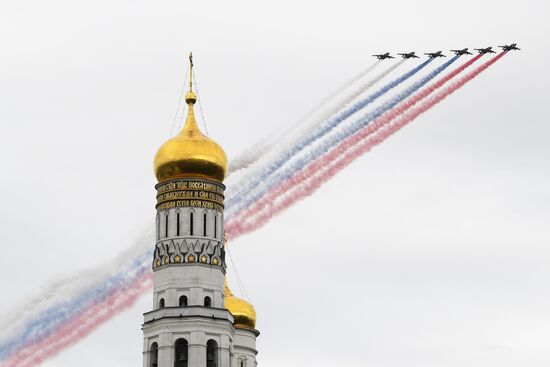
384,56
408,55
510,47
483,51
464,51
433,55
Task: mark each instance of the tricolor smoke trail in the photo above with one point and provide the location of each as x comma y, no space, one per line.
78,328
245,200
251,155
40,339
283,155
312,169
353,147
53,312
340,105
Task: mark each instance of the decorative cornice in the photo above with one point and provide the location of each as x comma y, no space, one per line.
188,250
163,324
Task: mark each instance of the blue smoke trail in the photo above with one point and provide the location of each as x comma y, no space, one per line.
56,315
243,201
320,132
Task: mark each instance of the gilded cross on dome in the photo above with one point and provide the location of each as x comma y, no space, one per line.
190,153
190,71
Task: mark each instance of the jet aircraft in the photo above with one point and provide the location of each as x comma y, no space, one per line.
408,55
464,51
510,47
384,56
487,50
433,55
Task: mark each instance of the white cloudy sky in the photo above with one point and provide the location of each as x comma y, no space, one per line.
432,250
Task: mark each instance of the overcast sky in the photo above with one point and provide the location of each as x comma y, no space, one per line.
432,250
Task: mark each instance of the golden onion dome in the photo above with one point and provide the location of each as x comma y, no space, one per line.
242,311
190,153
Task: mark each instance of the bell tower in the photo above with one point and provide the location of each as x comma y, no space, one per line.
195,320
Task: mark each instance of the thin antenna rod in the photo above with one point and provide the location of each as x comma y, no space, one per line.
179,105
190,71
200,104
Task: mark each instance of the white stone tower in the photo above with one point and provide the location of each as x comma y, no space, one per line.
195,321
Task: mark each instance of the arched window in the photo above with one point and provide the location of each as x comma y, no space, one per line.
204,221
207,301
191,223
183,301
216,226
154,355
178,224
180,353
166,225
211,353
161,303
158,227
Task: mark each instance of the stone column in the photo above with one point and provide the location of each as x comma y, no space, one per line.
166,350
225,351
197,350
145,352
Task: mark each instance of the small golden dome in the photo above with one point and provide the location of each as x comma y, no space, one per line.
190,153
242,311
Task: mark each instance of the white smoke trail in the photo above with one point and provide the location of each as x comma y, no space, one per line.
251,155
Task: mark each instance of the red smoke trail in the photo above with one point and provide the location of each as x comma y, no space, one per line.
346,152
77,329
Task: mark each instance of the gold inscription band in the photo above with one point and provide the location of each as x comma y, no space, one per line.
194,193
190,185
200,195
190,204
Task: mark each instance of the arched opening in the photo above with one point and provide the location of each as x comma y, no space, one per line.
216,226
183,301
207,301
178,224
191,223
158,227
161,303
154,355
204,222
181,351
166,225
211,353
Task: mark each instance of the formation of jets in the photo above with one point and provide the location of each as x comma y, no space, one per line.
434,55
